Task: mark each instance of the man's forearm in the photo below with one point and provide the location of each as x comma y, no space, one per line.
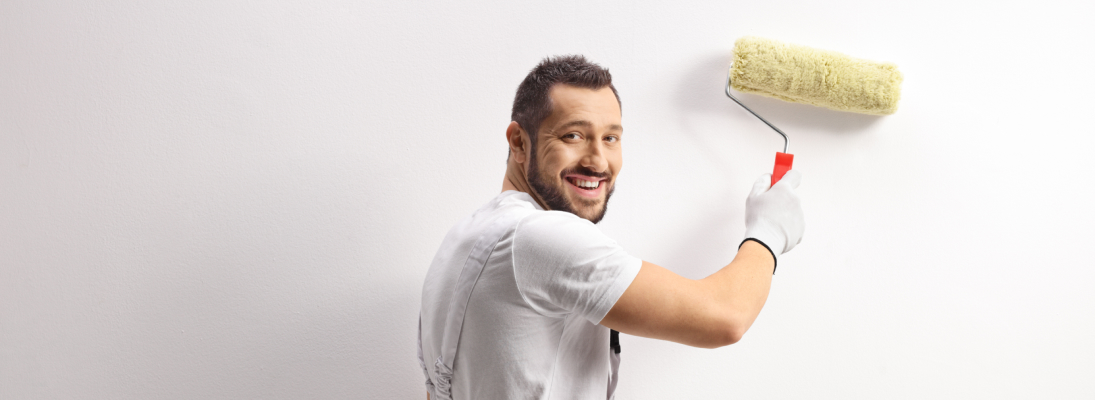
741,288
710,312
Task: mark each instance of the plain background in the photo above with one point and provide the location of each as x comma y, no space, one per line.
240,199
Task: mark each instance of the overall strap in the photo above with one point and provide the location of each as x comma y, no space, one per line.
613,362
458,305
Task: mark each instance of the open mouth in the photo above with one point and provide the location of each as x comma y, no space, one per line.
585,186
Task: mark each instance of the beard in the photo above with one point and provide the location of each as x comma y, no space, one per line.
553,193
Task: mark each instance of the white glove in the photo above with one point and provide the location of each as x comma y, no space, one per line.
774,216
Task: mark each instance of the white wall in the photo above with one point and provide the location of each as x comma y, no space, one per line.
231,199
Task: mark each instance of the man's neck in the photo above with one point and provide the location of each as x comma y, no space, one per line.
515,180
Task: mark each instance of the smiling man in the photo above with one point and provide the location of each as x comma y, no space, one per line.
519,300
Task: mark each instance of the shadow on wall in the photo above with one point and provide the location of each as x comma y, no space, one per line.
710,238
701,91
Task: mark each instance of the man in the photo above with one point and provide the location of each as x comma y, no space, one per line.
520,298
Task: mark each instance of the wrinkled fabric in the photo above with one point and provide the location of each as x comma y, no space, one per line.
422,361
529,329
443,387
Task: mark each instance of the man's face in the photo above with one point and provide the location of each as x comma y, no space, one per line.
578,151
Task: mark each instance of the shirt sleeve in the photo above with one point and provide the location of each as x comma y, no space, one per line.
564,264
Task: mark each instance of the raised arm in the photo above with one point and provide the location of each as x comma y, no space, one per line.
717,310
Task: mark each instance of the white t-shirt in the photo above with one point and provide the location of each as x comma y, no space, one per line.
531,327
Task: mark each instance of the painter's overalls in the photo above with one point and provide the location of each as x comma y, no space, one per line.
454,321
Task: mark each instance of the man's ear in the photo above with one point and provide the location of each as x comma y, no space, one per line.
518,142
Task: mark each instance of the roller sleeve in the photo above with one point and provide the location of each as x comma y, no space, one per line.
822,78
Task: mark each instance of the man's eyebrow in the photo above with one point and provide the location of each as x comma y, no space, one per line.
581,122
585,124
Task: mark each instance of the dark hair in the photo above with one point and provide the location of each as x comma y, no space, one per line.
532,104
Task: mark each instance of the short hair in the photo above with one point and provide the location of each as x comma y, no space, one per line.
532,104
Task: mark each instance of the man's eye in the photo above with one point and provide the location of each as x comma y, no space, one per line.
571,136
612,139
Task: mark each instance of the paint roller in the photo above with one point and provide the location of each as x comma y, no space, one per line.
801,74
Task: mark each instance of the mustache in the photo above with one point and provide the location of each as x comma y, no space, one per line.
584,171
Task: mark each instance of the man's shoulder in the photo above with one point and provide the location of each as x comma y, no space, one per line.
532,229
558,233
527,212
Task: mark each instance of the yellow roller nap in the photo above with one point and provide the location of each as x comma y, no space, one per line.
819,77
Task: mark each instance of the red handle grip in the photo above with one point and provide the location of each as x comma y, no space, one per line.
783,164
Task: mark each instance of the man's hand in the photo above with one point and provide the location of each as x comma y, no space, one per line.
773,215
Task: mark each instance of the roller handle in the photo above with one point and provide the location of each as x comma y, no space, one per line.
783,164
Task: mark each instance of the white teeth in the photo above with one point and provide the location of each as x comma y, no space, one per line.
586,184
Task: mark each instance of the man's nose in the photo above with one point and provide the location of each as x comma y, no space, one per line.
594,157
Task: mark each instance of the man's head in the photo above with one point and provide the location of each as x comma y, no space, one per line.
565,138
